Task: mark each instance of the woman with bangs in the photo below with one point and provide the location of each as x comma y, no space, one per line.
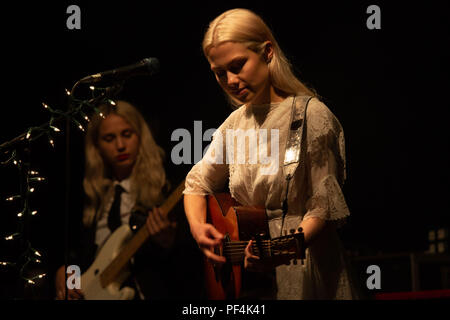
249,65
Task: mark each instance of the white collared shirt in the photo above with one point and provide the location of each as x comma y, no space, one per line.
126,204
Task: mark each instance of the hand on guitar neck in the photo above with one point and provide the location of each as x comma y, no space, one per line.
311,228
161,228
258,264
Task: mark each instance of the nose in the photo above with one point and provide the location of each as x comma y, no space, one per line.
120,144
232,79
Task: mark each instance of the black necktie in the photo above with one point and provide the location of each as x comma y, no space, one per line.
114,220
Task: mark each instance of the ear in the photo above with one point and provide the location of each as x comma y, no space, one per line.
268,51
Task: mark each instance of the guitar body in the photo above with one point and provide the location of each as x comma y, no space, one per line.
103,279
237,224
91,283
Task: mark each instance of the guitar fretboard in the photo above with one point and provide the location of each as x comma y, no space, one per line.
234,251
118,264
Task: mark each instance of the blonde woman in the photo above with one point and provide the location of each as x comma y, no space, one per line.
256,76
123,162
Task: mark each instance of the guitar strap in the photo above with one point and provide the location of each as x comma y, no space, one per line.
294,151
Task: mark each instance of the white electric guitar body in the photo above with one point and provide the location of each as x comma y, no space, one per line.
91,280
103,279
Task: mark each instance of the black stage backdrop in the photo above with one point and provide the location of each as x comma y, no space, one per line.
385,86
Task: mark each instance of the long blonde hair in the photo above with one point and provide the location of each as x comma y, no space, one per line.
246,27
147,177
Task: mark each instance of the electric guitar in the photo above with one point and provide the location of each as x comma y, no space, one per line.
103,279
239,225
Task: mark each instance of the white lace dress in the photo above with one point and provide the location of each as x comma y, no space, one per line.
315,190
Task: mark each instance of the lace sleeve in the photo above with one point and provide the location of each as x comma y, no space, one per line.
325,164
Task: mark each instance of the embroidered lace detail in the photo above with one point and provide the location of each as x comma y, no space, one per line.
328,201
193,183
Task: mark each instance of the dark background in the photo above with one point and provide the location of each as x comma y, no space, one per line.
387,87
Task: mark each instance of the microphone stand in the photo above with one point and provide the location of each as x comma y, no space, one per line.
110,91
23,142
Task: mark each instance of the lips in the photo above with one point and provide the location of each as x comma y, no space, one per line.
240,91
122,157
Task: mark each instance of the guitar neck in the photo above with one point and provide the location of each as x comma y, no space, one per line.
234,251
118,264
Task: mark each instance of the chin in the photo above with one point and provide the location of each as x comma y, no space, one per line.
245,99
125,164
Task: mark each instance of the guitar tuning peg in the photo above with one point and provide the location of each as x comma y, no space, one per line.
300,229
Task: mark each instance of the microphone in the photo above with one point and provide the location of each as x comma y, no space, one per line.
147,66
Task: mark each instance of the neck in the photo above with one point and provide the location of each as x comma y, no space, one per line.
119,176
270,95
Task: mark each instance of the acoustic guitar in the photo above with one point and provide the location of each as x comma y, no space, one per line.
240,224
104,278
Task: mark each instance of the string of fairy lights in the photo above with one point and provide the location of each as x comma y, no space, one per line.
17,152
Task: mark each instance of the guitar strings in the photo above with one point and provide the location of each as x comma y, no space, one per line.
234,250
228,249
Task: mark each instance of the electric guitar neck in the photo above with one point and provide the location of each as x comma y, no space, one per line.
111,272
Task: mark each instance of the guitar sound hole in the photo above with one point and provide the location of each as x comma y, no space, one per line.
96,271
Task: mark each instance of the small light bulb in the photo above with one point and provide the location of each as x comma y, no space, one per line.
31,189
37,253
20,214
45,105
92,88
67,92
33,213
